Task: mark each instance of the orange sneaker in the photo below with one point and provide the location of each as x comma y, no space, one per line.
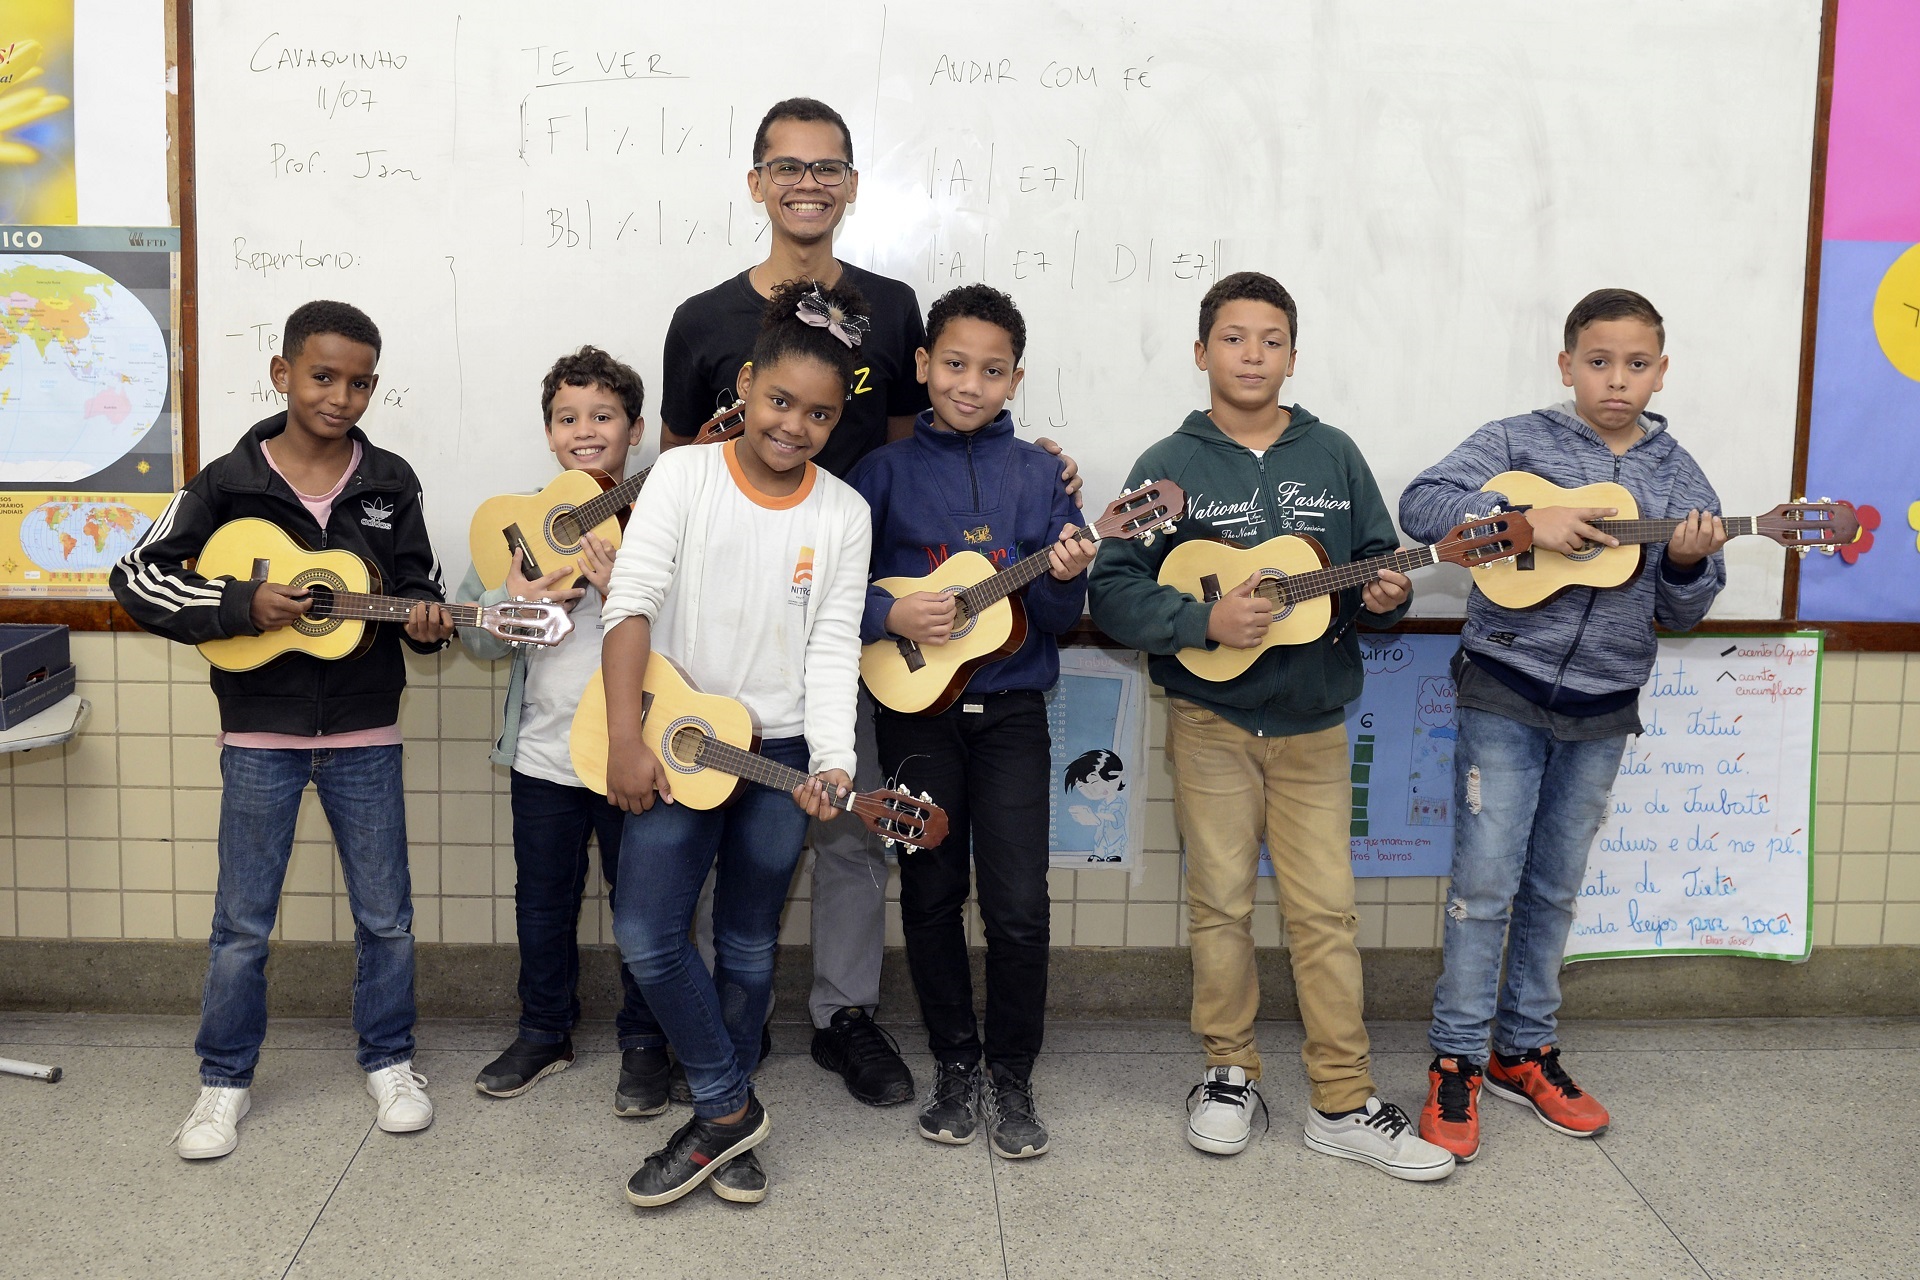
1536,1079
1451,1118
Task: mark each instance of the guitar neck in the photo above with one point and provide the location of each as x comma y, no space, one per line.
1325,582
1004,583
1629,531
598,510
370,608
727,758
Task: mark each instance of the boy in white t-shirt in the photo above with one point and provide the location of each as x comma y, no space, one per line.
592,404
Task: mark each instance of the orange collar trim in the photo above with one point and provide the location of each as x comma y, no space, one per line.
767,500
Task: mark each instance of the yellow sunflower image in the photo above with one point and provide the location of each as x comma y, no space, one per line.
36,113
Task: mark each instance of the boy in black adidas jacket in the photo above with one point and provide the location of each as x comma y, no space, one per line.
315,475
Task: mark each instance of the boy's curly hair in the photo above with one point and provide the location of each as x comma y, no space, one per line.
592,367
978,302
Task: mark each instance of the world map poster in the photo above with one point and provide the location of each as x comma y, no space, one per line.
89,421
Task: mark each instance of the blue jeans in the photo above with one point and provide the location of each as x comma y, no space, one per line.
712,1019
1526,808
551,826
360,789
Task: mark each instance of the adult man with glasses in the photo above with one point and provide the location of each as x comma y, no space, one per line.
803,174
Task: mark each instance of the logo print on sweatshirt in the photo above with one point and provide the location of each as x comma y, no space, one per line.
1241,522
976,536
377,515
802,589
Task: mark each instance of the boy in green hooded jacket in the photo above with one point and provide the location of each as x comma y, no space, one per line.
1263,756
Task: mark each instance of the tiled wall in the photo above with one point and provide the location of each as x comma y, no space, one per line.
113,835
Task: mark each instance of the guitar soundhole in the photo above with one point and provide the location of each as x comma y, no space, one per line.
1282,606
962,620
319,584
1585,553
563,530
683,738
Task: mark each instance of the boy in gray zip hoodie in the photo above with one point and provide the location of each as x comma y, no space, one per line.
1547,697
1264,755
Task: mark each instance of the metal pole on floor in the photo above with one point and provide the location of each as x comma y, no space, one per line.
9,1066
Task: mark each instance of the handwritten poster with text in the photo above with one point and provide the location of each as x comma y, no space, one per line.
1706,847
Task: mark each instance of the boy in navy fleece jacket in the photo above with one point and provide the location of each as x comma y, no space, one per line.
1547,697
962,481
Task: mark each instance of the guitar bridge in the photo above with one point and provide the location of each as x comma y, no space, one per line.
1209,588
517,541
910,652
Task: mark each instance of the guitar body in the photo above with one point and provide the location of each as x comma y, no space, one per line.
998,630
233,551
1207,570
1538,576
535,514
671,703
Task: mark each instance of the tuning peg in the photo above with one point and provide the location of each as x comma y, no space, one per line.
1803,548
1827,550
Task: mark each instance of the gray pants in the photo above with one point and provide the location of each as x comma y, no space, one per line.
849,895
849,898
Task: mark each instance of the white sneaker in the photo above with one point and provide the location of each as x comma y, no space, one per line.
1379,1134
402,1094
1223,1121
212,1128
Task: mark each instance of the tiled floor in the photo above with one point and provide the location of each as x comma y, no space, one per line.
1739,1149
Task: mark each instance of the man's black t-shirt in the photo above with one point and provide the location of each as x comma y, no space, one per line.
712,335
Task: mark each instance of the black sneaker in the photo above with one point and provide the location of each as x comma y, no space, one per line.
681,1092
1014,1128
693,1154
948,1114
521,1066
643,1088
866,1057
740,1180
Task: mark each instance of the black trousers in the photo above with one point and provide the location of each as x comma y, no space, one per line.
990,769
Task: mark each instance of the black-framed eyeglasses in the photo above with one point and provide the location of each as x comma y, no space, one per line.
785,171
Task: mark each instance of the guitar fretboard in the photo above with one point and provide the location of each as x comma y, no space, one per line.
370,608
1339,577
712,753
1004,583
1662,530
597,510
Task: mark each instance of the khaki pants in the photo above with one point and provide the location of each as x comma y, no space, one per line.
1230,788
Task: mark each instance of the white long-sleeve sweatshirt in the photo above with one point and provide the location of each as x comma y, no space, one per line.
756,597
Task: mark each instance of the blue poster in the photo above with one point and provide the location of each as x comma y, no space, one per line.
1401,735
1096,715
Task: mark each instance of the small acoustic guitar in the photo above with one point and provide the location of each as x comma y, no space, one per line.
1539,574
707,744
1292,572
989,620
546,527
346,596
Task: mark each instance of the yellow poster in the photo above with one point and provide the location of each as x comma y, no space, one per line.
37,182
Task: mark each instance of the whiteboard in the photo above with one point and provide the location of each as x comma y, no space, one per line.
1707,844
1436,184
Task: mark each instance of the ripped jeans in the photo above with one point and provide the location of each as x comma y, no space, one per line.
712,1020
1231,790
1526,808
